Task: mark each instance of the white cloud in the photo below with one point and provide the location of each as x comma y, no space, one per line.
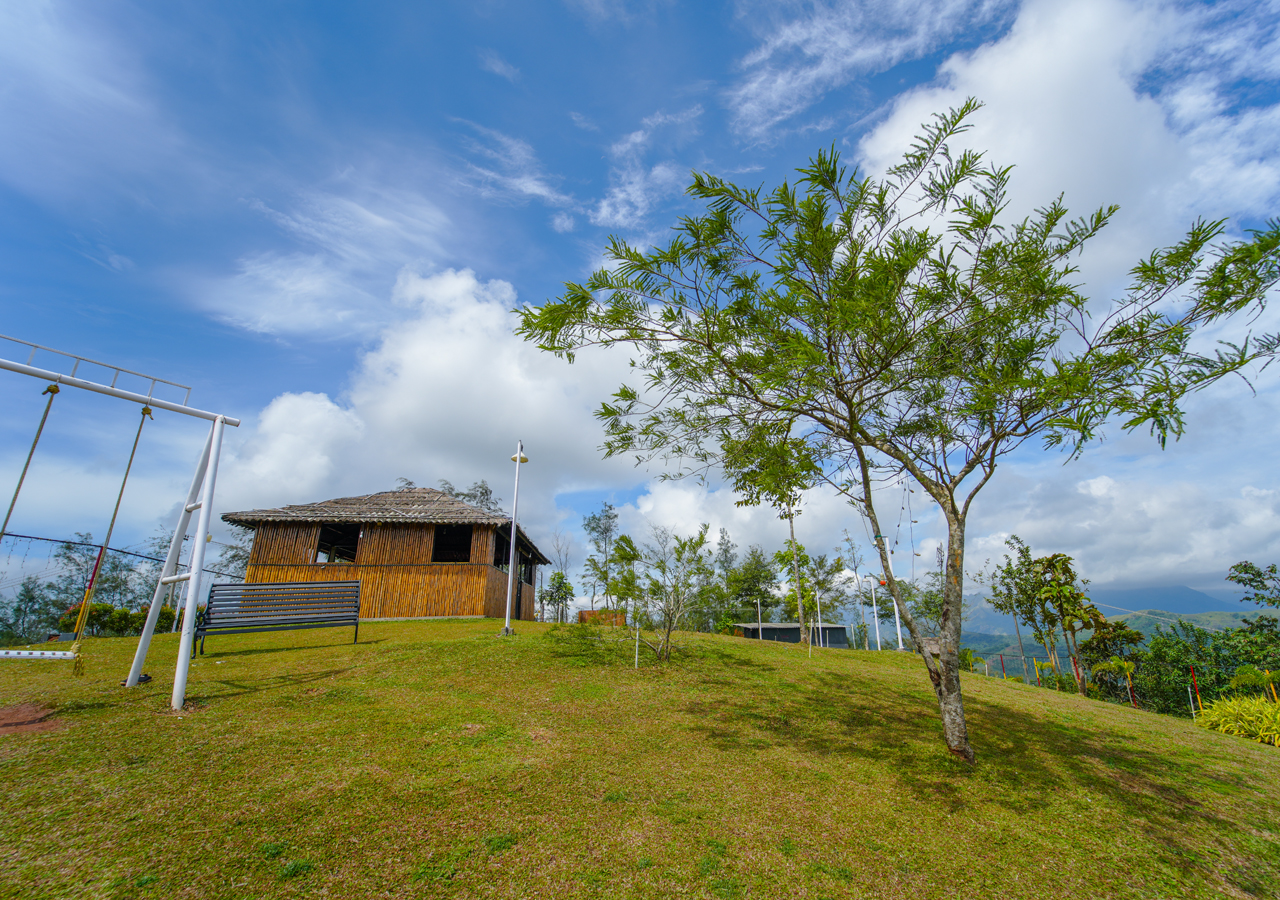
562,222
490,61
75,110
445,393
293,293
633,192
635,187
802,57
583,122
1164,157
356,235
515,172
296,448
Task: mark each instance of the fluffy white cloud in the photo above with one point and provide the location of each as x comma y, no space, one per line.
1070,103
445,393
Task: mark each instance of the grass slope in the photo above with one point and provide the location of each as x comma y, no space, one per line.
437,760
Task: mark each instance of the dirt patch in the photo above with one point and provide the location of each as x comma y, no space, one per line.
27,717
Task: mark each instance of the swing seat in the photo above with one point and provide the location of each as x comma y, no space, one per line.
284,606
37,654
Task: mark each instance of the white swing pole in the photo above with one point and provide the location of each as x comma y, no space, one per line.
187,640
170,565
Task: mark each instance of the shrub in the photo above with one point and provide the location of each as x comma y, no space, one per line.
105,620
1250,717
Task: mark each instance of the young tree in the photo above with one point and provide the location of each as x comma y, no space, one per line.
557,595
1017,589
29,615
750,585
825,580
601,528
626,586
678,571
1062,590
847,330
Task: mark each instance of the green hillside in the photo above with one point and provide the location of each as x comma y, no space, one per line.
1146,620
434,759
990,646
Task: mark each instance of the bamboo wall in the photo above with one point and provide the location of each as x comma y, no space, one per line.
397,578
284,542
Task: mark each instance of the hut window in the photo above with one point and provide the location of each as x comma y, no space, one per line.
501,551
452,544
338,543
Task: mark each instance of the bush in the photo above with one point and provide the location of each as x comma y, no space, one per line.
105,620
1249,717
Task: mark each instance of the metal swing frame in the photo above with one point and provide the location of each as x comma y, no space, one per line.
199,498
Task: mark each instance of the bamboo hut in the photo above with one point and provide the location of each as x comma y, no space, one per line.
416,552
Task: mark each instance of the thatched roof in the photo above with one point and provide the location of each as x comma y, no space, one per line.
408,505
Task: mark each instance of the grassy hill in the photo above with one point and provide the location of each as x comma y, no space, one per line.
434,759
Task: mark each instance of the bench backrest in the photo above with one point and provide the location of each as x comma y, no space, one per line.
311,601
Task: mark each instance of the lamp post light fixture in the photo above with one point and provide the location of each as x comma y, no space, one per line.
511,567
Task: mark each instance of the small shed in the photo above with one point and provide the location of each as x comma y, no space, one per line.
825,635
416,552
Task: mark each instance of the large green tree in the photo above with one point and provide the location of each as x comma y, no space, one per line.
851,330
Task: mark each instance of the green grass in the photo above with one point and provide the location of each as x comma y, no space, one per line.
434,759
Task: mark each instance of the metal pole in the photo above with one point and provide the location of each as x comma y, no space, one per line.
58,378
187,641
52,391
170,565
875,610
897,623
1026,676
818,599
515,501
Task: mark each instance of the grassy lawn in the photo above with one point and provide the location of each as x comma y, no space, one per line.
434,759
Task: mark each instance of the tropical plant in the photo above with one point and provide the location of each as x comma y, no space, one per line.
1115,667
1248,717
1061,590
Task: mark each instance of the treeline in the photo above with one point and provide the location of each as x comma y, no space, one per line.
37,606
666,582
1176,671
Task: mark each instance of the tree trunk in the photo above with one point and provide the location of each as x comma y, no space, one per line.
945,672
946,680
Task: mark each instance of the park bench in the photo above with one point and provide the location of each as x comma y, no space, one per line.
244,608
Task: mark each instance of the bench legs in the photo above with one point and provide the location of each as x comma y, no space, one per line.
356,639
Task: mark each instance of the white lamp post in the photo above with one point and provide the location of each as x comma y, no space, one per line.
511,568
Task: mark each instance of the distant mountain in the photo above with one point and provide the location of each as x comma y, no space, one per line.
1179,600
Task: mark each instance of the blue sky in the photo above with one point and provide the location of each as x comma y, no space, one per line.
320,215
